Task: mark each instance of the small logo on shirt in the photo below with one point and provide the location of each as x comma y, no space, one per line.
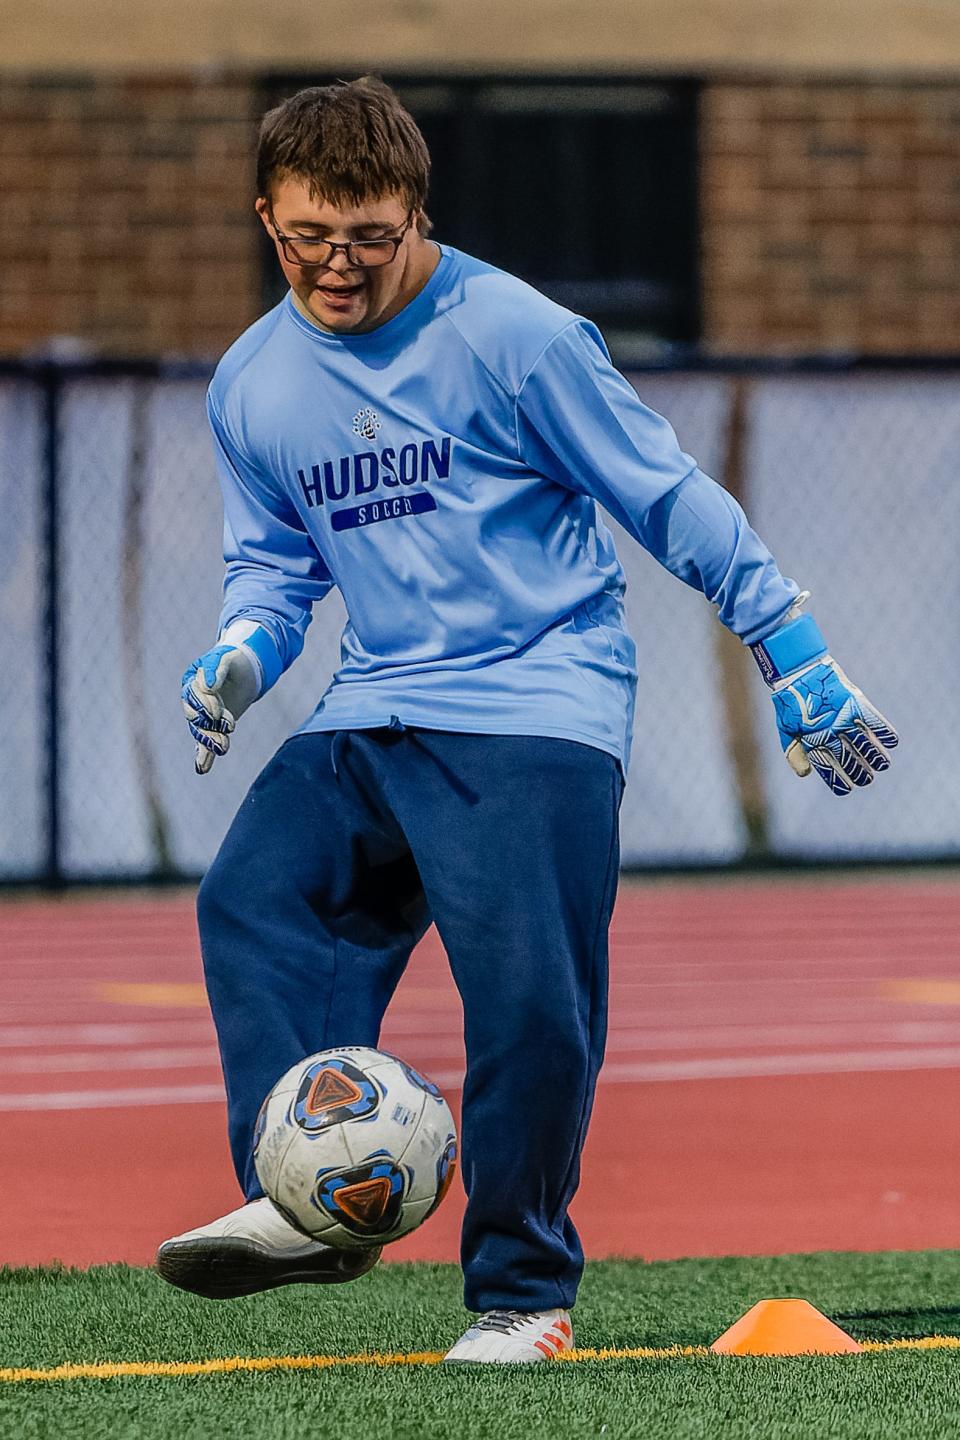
366,423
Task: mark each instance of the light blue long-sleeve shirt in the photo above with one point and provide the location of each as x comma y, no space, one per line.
444,471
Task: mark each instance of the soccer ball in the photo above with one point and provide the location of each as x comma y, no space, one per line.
354,1147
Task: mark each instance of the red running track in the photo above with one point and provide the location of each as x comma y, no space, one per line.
783,1073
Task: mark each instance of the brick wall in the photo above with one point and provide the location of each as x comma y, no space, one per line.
126,214
831,217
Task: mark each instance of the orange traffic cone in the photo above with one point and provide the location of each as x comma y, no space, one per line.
785,1327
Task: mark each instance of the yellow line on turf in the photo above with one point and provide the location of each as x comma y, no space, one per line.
921,1342
639,1352
107,1370
110,1370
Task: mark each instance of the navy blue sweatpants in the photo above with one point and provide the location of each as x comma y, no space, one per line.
346,847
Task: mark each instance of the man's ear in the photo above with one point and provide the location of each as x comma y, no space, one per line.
262,207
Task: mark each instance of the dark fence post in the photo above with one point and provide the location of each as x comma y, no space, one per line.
52,382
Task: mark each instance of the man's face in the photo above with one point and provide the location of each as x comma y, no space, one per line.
342,297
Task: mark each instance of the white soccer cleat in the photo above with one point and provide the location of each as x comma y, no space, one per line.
513,1337
255,1248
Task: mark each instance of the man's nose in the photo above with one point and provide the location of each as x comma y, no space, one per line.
339,261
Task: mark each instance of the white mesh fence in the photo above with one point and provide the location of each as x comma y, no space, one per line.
22,657
680,803
853,484
848,478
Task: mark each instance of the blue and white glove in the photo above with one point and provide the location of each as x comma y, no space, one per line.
221,684
825,722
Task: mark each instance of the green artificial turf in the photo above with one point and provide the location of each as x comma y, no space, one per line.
48,1317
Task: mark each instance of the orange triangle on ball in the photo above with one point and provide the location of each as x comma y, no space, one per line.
330,1090
785,1327
367,1201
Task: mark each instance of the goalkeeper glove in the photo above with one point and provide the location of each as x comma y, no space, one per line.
221,684
824,720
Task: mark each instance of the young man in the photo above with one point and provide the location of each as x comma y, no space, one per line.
431,435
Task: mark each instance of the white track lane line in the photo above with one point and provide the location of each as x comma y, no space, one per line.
745,1067
14,1037
749,1067
53,1062
114,1099
832,984
738,1068
826,1037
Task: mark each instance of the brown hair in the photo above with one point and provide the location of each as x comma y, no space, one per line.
351,141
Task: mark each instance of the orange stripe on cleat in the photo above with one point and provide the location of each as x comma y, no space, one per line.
554,1341
545,1349
563,1327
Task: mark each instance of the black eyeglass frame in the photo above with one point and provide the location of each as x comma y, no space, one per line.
287,244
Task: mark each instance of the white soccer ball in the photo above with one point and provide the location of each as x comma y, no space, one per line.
355,1147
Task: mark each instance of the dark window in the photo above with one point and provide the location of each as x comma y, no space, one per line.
587,189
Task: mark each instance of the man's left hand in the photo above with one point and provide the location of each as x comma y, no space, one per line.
826,723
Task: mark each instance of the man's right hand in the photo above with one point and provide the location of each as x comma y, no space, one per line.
221,684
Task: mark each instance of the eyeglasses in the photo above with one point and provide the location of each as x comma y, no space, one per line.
364,254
